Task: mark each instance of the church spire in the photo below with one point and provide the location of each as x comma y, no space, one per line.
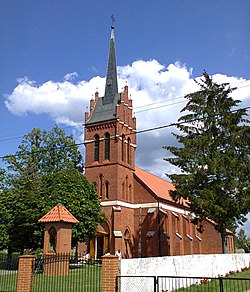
111,87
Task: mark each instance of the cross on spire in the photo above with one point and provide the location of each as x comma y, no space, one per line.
113,21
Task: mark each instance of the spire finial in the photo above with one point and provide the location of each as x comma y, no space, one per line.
113,21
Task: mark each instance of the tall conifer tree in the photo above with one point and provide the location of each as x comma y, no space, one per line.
213,156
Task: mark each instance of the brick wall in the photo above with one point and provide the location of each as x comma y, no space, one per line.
63,237
25,273
110,270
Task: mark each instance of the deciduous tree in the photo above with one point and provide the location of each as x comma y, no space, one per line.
43,152
46,170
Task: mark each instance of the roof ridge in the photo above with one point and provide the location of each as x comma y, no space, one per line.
59,213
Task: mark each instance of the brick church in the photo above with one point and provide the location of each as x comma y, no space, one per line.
142,218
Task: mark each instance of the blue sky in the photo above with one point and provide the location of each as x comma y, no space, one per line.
53,56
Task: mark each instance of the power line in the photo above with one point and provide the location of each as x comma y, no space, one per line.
117,136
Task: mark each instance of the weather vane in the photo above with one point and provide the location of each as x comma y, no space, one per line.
113,21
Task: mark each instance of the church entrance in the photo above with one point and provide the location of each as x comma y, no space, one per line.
99,246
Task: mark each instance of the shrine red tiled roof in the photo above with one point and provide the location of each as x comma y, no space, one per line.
58,214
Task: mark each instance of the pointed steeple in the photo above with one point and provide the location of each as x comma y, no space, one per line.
111,87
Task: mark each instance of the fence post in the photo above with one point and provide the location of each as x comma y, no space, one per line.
110,269
221,284
25,278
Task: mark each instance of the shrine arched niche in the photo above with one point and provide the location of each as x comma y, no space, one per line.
52,239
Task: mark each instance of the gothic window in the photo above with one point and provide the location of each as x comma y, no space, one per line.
186,227
126,189
106,190
107,146
123,147
128,151
97,146
176,222
100,186
165,225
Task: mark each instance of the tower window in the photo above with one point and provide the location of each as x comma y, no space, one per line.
100,186
126,192
107,146
106,190
123,147
128,151
97,146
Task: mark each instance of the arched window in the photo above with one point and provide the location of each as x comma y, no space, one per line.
100,186
96,150
107,146
128,151
126,191
123,147
106,189
166,225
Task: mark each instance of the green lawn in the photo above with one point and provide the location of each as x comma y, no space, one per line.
83,279
78,280
8,281
229,284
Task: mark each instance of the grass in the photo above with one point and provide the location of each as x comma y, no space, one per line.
230,283
78,280
83,279
8,280
243,274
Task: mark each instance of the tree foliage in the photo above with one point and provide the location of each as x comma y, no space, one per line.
213,156
43,152
241,241
72,189
46,170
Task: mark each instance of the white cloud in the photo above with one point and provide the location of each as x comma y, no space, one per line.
70,76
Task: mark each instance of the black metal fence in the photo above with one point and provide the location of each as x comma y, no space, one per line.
67,273
185,284
8,273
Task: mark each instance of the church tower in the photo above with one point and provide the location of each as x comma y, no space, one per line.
110,141
110,138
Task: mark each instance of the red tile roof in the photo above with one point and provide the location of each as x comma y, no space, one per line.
157,185
58,214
